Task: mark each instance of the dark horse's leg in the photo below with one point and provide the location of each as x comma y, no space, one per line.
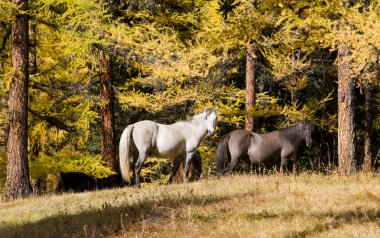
283,165
247,164
294,163
233,163
174,168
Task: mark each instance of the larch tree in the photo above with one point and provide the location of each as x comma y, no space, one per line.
227,7
108,138
250,91
346,101
18,184
249,23
365,60
250,87
71,74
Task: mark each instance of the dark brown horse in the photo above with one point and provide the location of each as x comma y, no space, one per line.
270,149
195,169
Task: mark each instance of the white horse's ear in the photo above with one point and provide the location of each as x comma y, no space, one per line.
216,108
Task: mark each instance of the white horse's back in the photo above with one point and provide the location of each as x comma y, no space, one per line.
144,134
163,139
170,141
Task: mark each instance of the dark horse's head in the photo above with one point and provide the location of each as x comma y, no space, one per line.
307,129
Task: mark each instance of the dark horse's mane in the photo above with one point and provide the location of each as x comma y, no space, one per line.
294,133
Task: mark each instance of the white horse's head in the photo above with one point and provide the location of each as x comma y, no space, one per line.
211,120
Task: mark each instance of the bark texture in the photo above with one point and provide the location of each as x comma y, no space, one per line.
346,132
18,184
108,139
367,162
250,88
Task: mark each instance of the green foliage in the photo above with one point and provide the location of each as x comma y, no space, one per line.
156,170
172,59
68,161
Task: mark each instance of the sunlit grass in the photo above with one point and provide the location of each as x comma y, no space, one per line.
308,205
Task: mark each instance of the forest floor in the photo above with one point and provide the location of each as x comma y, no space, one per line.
306,205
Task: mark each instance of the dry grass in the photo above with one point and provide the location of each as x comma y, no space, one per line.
235,206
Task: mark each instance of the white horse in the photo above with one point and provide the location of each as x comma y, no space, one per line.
176,141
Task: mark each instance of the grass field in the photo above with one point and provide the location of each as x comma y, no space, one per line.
308,205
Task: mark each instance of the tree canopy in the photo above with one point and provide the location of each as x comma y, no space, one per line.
171,59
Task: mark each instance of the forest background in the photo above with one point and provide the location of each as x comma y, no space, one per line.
96,66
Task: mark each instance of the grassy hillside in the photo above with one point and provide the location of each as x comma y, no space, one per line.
234,206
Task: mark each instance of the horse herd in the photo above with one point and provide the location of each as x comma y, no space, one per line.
179,141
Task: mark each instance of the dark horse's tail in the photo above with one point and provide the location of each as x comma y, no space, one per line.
221,152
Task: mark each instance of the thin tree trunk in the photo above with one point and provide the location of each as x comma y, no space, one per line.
108,139
249,94
18,184
250,88
367,163
368,123
32,49
346,133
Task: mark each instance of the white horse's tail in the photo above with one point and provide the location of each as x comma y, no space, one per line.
125,153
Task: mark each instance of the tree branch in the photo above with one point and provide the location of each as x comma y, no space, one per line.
53,121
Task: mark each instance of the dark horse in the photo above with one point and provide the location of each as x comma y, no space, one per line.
195,169
267,149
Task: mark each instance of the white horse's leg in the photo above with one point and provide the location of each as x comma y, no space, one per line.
138,166
189,156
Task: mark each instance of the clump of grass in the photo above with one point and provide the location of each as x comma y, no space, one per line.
238,205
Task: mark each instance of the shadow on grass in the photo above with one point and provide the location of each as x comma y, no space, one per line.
105,221
327,221
336,220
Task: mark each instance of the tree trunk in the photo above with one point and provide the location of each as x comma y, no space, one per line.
18,184
346,133
108,139
32,49
367,162
249,94
250,88
368,119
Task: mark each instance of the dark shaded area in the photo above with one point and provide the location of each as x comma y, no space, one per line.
80,182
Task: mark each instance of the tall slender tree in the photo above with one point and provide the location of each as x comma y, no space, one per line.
18,184
367,162
108,139
250,88
368,115
346,100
